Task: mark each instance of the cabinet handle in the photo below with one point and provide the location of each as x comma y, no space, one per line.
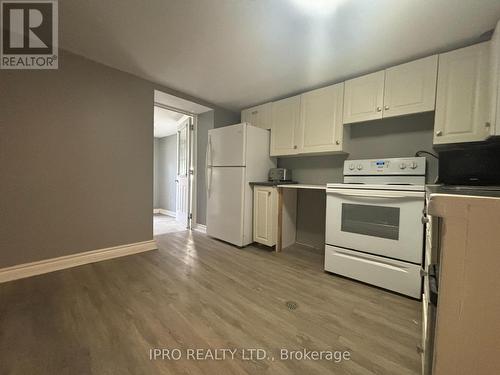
487,124
337,142
386,107
379,109
439,133
420,350
295,147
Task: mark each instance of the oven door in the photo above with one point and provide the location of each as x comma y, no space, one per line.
380,222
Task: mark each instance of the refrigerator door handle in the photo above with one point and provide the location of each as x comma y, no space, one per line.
207,166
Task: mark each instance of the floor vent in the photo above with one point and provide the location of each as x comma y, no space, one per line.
291,305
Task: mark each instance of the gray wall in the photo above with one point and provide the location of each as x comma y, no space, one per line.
396,137
205,123
166,159
76,159
225,118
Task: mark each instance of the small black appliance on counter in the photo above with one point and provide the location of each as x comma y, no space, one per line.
470,164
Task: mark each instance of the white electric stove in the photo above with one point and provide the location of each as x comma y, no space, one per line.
374,231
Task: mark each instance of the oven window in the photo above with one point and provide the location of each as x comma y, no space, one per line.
377,221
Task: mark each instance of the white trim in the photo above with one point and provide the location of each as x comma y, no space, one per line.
200,228
49,265
162,211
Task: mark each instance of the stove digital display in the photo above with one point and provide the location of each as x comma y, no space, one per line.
381,164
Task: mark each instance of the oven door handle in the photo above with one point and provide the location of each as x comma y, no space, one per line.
376,194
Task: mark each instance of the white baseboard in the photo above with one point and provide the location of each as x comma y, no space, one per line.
49,265
200,228
164,212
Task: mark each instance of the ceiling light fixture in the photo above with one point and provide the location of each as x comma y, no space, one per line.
318,7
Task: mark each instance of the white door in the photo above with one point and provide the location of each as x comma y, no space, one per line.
182,181
265,210
411,87
259,116
226,146
386,223
285,126
463,97
225,203
364,98
321,119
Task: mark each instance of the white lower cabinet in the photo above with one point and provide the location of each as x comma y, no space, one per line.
265,214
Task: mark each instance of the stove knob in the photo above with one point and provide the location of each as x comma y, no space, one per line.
413,165
402,165
351,166
360,167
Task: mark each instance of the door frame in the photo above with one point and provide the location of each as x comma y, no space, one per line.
192,165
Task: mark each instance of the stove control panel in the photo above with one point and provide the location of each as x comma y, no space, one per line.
414,166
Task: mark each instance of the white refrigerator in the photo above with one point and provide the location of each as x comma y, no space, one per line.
236,155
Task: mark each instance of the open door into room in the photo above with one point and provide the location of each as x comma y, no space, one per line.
173,155
183,176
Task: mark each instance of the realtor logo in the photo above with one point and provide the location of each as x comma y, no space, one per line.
29,34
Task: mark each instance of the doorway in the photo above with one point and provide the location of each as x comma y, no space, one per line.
172,170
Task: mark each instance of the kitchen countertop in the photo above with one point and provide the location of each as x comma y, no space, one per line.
304,186
272,183
478,191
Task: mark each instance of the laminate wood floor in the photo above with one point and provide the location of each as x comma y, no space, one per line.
166,224
197,292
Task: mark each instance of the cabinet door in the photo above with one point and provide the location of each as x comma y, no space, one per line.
410,88
265,215
321,119
364,98
259,116
285,127
463,97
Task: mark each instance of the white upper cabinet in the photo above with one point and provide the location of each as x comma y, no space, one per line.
285,135
410,88
259,116
364,98
321,120
463,95
400,90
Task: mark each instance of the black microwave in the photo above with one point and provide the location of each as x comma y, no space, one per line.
470,164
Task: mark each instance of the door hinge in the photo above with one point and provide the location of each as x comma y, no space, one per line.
191,171
190,215
191,127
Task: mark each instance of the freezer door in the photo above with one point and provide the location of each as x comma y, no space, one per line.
226,146
225,203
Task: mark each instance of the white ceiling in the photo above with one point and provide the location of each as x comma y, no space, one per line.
166,122
236,53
